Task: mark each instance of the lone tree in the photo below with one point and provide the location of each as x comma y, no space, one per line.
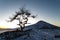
22,16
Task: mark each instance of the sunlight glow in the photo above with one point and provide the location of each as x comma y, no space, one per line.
5,24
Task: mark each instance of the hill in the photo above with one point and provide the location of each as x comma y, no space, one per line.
39,31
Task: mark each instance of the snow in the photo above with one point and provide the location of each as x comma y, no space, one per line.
35,33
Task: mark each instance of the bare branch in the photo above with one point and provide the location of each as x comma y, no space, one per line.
27,13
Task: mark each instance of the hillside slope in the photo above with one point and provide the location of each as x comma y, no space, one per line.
39,31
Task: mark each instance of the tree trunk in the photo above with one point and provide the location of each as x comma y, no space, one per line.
21,28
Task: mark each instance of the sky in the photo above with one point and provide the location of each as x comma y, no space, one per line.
47,10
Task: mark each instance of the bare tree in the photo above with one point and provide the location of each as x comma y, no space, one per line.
22,16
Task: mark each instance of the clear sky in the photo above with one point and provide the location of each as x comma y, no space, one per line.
47,10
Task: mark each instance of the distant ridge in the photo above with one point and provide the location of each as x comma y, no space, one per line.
43,25
46,25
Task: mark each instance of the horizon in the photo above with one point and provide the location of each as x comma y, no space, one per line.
27,25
